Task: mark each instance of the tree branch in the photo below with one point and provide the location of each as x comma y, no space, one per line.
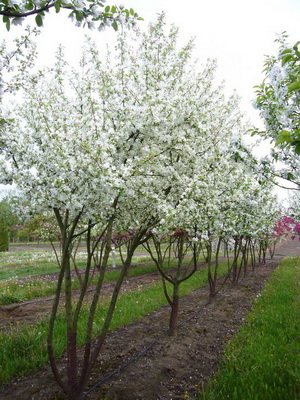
11,14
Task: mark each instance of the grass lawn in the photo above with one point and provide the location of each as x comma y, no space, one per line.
17,269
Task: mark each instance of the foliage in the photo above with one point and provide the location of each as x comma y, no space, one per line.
6,219
4,242
90,12
278,97
294,206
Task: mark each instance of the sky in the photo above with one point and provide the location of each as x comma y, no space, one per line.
237,33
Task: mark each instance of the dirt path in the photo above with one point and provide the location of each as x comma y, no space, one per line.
288,247
174,368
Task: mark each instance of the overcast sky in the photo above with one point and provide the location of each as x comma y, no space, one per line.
237,33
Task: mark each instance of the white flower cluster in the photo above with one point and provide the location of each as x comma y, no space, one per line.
278,99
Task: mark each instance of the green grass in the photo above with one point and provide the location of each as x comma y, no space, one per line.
262,362
24,349
17,289
38,263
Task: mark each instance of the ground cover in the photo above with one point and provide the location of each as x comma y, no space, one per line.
263,360
30,263
30,275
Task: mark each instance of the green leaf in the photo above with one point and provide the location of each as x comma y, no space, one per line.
79,16
39,20
107,8
115,25
286,51
290,176
8,24
295,47
5,18
296,134
113,9
286,58
294,86
29,6
57,6
131,11
284,133
282,140
284,137
297,148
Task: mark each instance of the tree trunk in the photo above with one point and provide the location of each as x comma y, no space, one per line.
174,313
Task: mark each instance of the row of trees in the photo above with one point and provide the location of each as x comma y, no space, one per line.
17,229
141,143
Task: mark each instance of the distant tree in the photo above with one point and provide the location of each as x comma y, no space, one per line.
4,242
294,206
4,237
6,218
89,12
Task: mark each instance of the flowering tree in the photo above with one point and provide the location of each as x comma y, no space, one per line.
278,97
243,212
5,217
116,145
14,63
287,226
90,12
140,142
294,206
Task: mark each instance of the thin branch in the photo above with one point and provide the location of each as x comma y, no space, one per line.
32,12
55,252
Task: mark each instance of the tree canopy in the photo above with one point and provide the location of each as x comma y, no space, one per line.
278,97
278,100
